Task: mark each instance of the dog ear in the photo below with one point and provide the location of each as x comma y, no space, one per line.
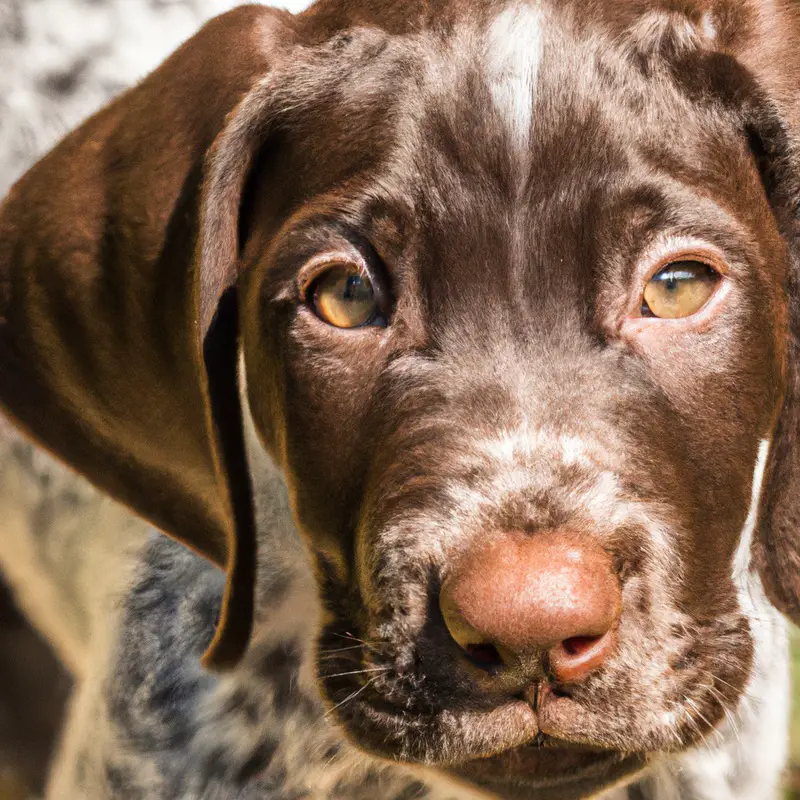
118,310
772,128
776,144
746,81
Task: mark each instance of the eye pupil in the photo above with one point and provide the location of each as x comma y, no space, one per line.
357,289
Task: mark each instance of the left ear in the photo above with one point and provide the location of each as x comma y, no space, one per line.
119,261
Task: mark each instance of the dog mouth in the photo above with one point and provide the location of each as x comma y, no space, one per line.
560,768
546,761
513,736
508,740
545,735
503,750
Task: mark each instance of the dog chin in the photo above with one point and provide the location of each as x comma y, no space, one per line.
565,770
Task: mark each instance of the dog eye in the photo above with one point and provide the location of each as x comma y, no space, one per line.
679,290
344,297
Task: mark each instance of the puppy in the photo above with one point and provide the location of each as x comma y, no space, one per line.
462,336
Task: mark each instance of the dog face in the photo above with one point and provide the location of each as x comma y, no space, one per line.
507,381
513,309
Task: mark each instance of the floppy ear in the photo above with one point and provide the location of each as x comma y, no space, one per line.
118,318
773,130
751,73
777,546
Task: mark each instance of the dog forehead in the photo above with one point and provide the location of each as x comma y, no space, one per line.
492,134
483,120
711,18
501,76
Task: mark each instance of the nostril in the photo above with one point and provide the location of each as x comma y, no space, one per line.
578,646
574,658
485,655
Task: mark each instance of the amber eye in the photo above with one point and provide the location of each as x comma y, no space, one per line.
343,297
679,290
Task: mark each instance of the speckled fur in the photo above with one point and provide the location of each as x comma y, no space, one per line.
148,722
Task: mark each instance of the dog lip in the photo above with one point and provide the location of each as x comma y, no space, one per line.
553,762
539,752
500,729
545,750
548,742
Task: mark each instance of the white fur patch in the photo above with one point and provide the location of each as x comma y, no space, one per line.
741,562
514,53
708,25
525,442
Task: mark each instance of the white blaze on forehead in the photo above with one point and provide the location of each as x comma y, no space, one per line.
709,26
514,53
741,562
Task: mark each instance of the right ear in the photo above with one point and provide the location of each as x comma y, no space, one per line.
772,128
118,321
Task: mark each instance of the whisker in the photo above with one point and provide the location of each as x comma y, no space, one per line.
720,698
340,659
351,697
700,714
693,722
697,710
677,734
350,638
717,679
340,650
674,728
356,672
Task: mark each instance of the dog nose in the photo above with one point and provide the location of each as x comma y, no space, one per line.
522,598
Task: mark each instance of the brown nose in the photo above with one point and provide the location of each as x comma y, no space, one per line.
523,597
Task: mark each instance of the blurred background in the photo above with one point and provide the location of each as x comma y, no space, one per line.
59,61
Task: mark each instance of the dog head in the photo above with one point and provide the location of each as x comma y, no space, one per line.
513,286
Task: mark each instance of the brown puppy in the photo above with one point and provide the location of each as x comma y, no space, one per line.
506,292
